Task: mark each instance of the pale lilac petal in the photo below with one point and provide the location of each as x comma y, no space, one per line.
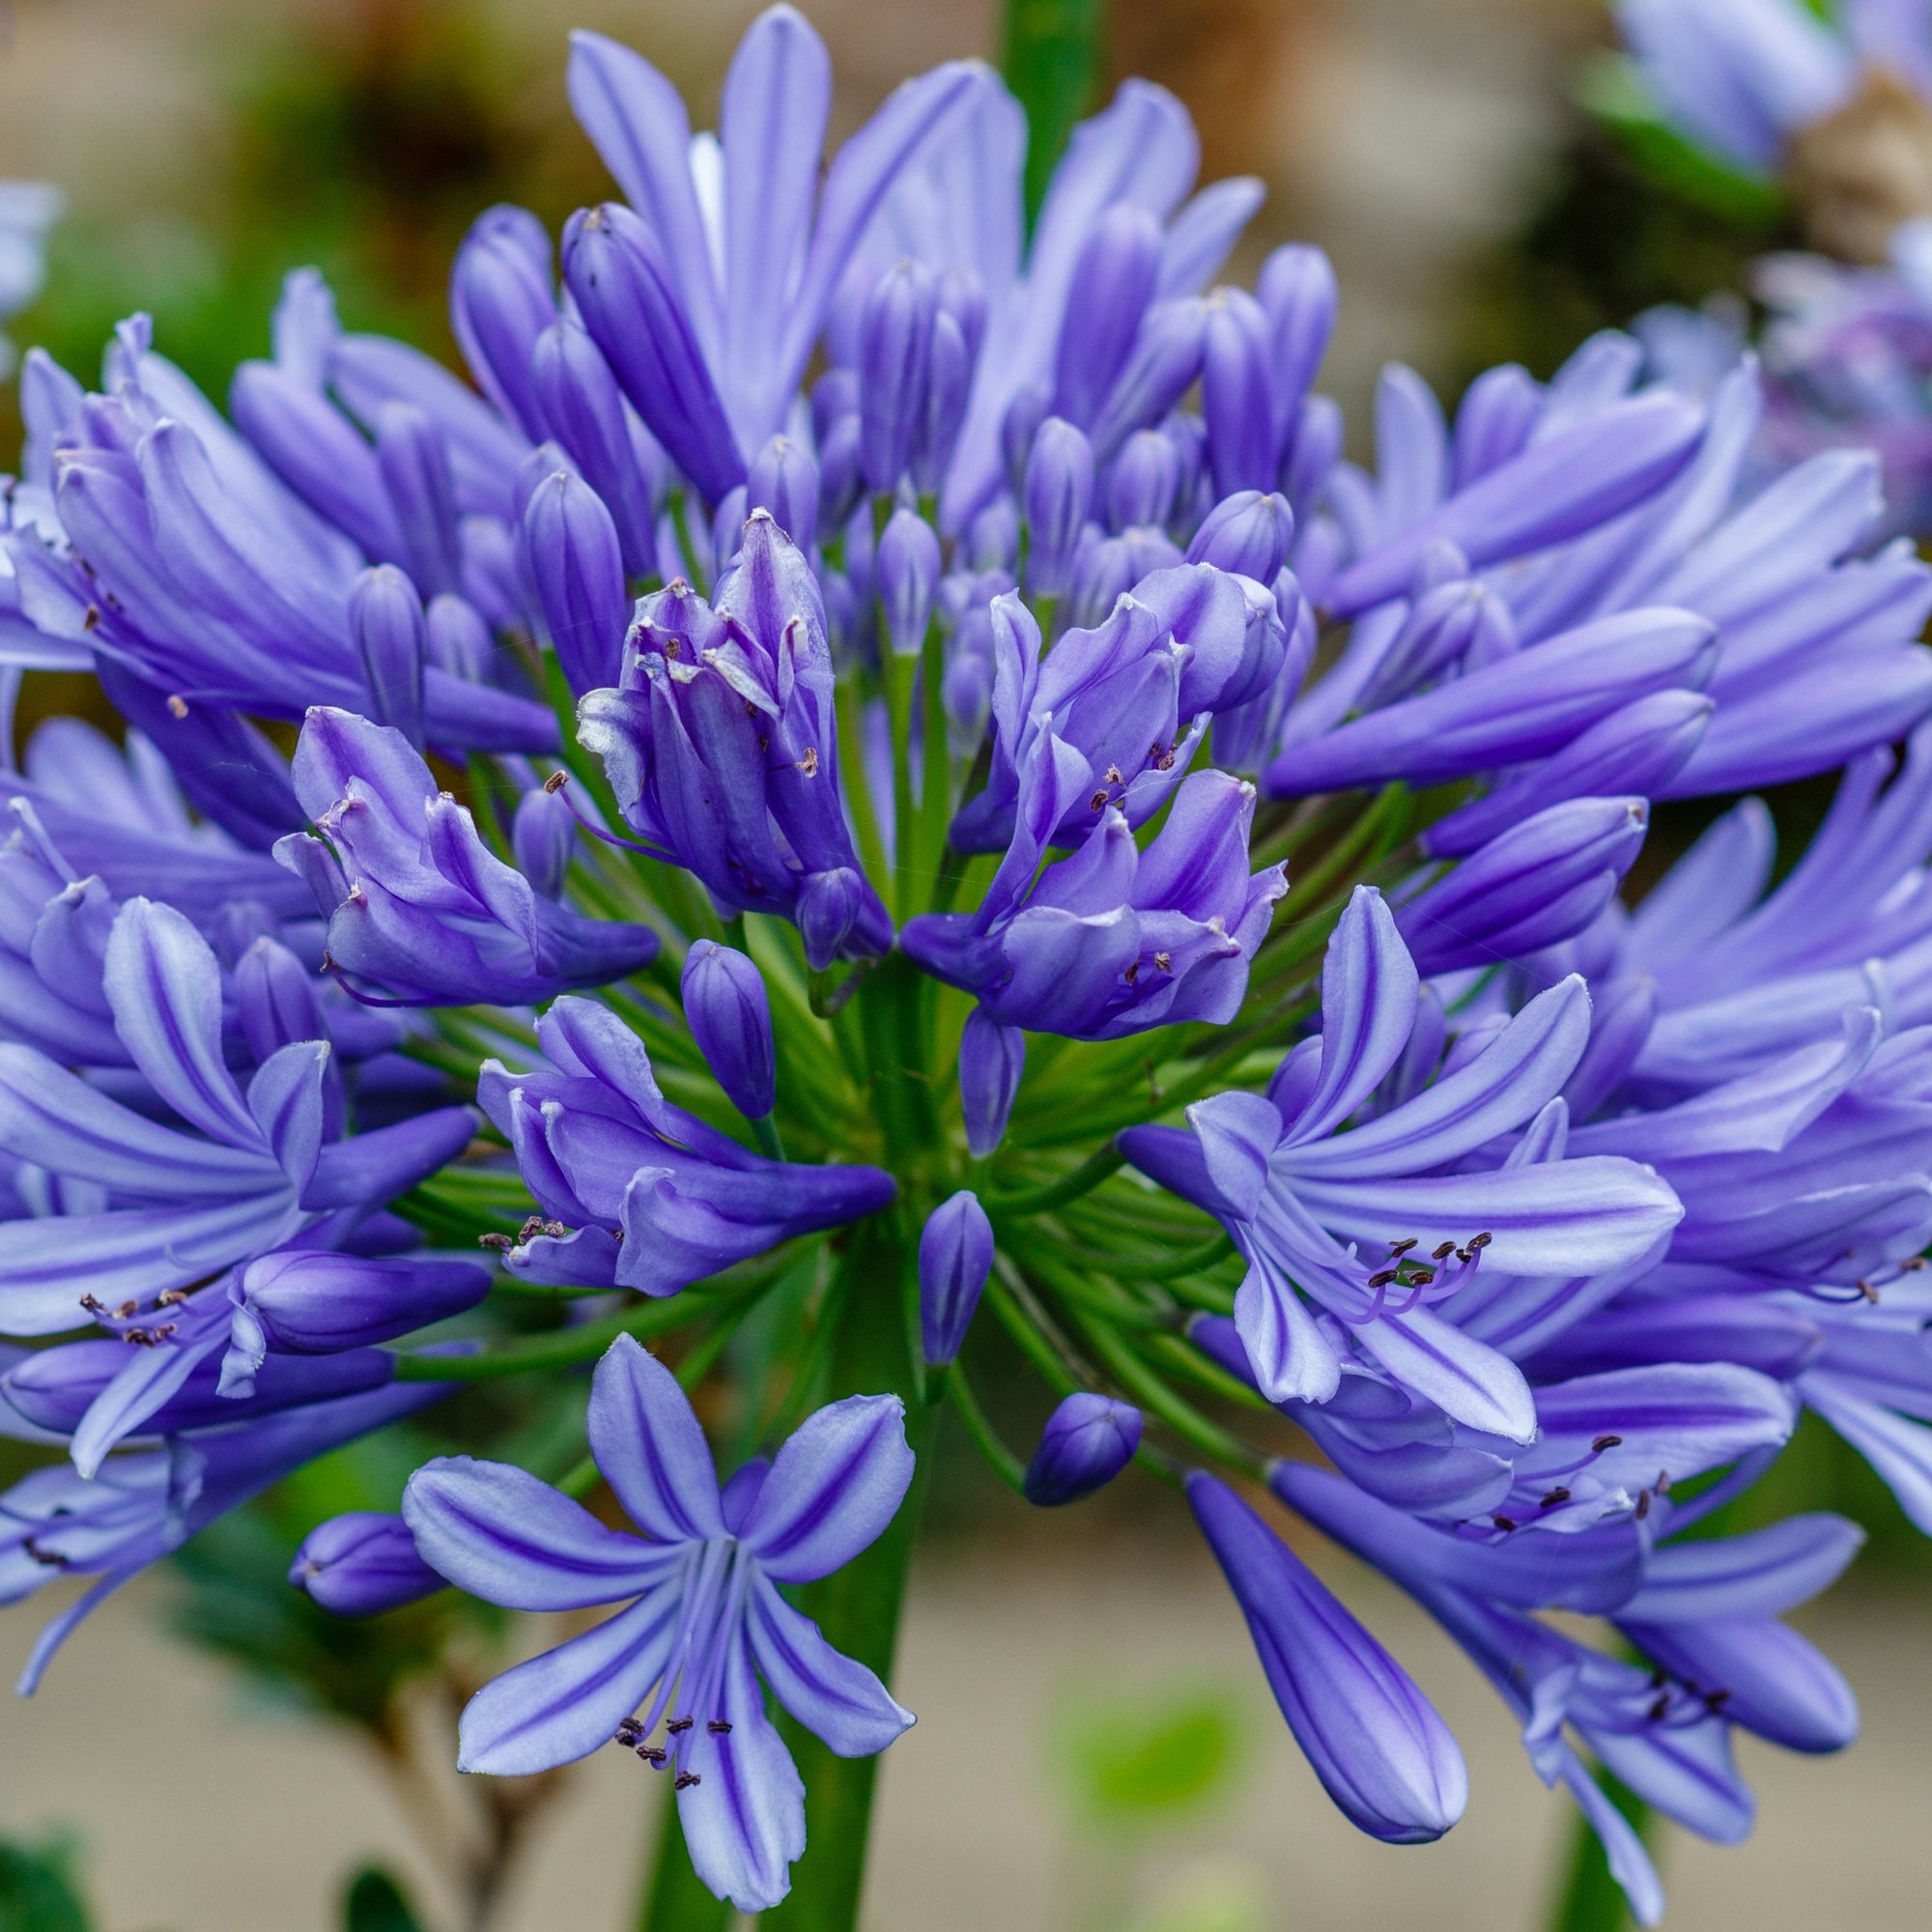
1292,1359
498,1532
743,1817
1367,1007
1466,1379
648,1445
834,1697
833,1489
562,1705
1760,1575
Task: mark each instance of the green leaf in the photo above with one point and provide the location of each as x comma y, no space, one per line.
1133,1762
375,1902
1051,56
1613,89
38,1891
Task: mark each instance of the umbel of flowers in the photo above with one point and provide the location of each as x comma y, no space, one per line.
868,758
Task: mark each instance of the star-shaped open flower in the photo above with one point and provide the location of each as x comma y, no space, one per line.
707,1620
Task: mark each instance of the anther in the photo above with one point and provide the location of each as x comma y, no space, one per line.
809,763
170,1298
1660,1708
502,1244
1383,1279
1663,1484
628,1733
718,1727
1163,963
1478,1242
1559,1494
1642,1504
176,706
1713,1699
92,618
1422,1277
127,1309
1097,801
1442,1253
556,782
1604,1443
1397,1249
1114,777
678,1725
1503,1523
654,1756
686,1779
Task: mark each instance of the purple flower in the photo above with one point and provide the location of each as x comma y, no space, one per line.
1113,939
721,748
145,1505
1375,1740
1299,1198
655,1197
420,911
1087,1440
710,346
156,1208
706,1622
361,1564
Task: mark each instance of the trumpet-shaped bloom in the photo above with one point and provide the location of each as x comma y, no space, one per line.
704,1620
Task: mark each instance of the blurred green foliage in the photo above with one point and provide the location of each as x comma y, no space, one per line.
375,1902
1132,1763
39,1890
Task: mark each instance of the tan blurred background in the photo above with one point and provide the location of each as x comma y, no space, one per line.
205,146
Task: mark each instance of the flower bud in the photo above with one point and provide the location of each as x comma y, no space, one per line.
543,835
1497,414
1024,415
1315,446
499,303
1143,482
967,694
991,1059
577,570
275,999
784,481
839,483
955,1256
618,457
457,639
1115,278
361,1564
1377,1745
1087,1440
1248,533
993,536
315,1302
1102,574
728,526
1059,489
385,618
730,1018
828,909
1460,620
949,384
907,579
1296,290
415,462
1166,359
1539,882
1236,402
895,364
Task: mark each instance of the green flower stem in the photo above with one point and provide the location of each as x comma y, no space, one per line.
858,787
1390,809
858,1607
900,672
1001,1459
1180,1416
584,1344
1049,1356
1051,55
1088,1175
935,805
680,515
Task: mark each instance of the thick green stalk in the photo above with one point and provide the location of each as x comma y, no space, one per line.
858,1607
1051,55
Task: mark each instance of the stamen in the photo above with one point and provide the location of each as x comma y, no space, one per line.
1503,1523
1559,1494
686,1779
1604,1443
718,1727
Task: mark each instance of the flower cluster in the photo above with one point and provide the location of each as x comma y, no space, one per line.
1019,831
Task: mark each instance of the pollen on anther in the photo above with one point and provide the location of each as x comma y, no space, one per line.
719,1726
176,706
1658,1709
1604,1443
1097,801
1559,1494
686,1779
1503,1523
556,782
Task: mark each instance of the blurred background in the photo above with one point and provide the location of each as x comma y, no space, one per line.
1096,1746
